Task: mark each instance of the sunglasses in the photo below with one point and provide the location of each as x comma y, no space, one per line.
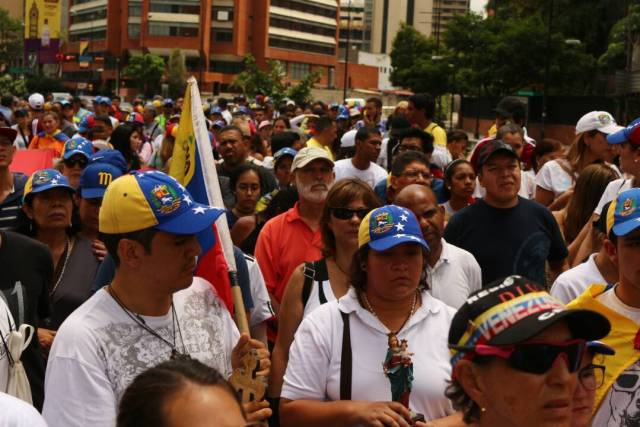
536,357
80,161
347,213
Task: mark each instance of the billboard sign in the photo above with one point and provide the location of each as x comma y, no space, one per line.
42,29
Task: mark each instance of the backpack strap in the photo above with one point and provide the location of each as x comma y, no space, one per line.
309,272
346,359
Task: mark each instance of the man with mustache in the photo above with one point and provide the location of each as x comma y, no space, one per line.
507,234
293,237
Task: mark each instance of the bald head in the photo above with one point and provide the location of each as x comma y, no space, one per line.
421,200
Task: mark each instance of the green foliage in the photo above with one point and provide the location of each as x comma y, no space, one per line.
43,84
624,33
12,86
146,70
176,74
10,38
253,80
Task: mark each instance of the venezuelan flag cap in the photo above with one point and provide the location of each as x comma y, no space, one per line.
43,180
153,199
389,226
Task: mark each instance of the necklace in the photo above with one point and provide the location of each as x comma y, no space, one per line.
67,253
175,354
411,313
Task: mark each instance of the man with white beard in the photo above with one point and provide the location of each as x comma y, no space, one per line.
293,237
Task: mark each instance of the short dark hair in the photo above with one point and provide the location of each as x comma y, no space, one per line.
231,127
365,132
423,101
222,103
406,158
426,138
105,119
456,135
323,123
143,402
376,101
144,237
240,170
281,140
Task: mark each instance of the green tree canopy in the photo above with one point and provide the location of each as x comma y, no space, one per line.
10,38
146,70
624,35
176,74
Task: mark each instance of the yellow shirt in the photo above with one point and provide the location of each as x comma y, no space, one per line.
439,135
314,143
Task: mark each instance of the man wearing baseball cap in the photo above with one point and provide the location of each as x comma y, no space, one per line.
618,400
507,234
154,310
294,237
11,183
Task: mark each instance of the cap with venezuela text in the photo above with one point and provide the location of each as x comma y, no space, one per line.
153,199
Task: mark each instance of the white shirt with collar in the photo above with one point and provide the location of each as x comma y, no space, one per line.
572,283
313,372
455,276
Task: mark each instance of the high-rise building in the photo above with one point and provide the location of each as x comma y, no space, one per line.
214,36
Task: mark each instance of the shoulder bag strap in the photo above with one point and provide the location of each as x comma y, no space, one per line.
346,360
309,272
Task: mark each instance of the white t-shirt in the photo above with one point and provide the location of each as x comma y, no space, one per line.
620,405
572,283
313,372
382,157
17,413
553,177
262,309
372,175
6,326
614,188
441,156
455,276
100,349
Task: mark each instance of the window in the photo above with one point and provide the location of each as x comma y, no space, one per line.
297,70
223,36
86,16
134,31
221,14
181,30
88,35
228,67
186,7
302,6
283,43
135,9
305,27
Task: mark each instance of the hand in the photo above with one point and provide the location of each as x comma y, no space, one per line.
45,337
99,249
381,414
246,344
257,411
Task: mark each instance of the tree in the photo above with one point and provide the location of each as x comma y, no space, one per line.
10,39
146,70
12,86
301,92
624,35
176,74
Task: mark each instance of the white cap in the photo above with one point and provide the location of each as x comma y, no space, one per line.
307,155
264,123
354,112
36,101
597,120
348,139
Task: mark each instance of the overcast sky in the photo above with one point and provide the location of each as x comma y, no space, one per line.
478,5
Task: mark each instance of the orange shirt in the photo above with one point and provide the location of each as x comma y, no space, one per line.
53,142
285,242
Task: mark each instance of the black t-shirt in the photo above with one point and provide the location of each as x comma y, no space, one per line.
26,271
508,241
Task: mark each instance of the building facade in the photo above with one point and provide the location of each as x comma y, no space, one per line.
213,35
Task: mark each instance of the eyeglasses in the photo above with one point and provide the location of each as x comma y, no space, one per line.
73,161
347,213
536,357
591,376
416,174
403,148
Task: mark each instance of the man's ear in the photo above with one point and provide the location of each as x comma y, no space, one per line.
612,251
130,253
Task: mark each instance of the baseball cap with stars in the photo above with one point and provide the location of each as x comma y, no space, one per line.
153,199
389,226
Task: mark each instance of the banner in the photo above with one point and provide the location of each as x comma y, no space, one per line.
42,20
84,58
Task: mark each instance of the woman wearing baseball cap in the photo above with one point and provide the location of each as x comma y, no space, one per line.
589,146
516,355
378,355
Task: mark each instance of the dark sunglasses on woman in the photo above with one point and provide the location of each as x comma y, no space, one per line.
348,213
80,161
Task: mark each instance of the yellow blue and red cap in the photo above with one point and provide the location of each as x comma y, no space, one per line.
629,134
389,226
513,310
43,180
623,215
77,145
152,199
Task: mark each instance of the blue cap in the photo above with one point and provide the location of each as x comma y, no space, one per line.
43,180
389,226
215,110
112,157
626,212
102,100
167,102
96,178
219,123
153,199
63,103
598,347
286,151
86,123
77,145
631,134
242,110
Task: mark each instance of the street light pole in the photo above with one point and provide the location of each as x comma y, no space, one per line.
546,73
346,54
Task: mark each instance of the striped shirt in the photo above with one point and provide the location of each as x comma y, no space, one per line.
10,206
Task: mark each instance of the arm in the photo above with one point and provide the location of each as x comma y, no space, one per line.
290,318
264,256
342,413
544,196
574,247
562,200
242,228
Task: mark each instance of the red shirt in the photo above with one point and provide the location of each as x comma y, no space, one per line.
285,242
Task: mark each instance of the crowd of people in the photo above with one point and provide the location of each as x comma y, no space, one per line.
393,273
